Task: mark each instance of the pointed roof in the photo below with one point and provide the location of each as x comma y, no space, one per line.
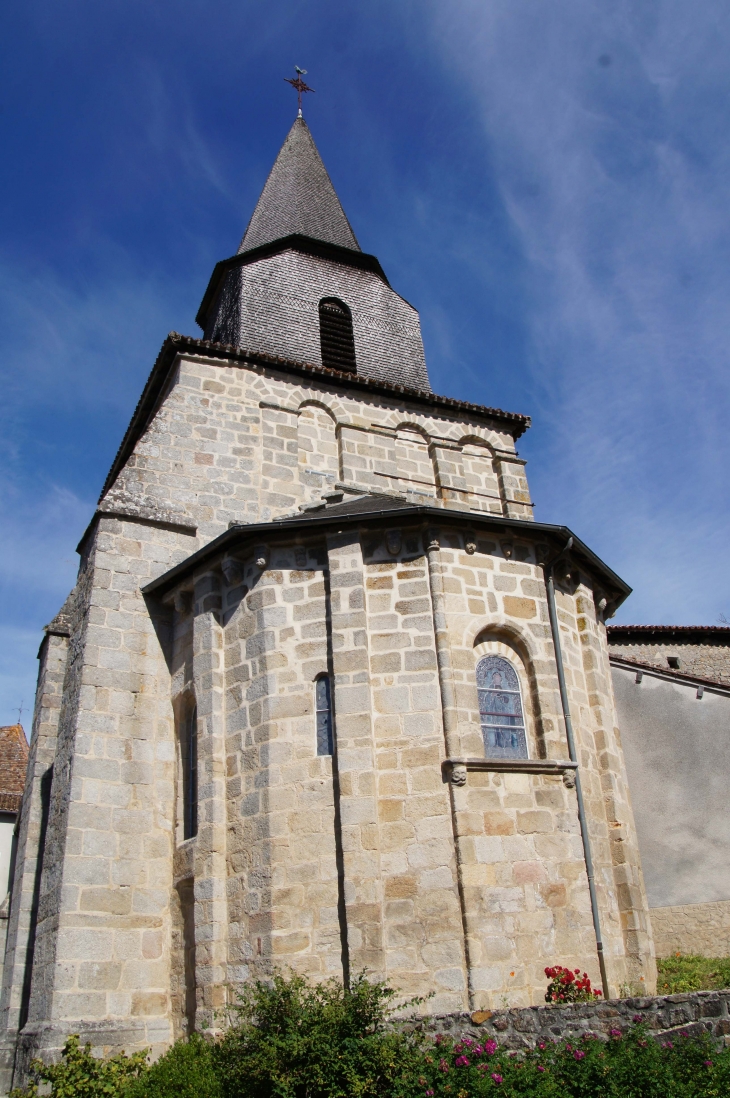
298,198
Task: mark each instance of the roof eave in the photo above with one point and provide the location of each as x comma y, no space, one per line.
439,515
297,242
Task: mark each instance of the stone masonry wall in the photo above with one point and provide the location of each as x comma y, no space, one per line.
102,953
707,661
26,885
600,717
225,447
692,928
370,859
694,1013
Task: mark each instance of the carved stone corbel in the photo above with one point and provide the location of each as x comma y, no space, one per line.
232,570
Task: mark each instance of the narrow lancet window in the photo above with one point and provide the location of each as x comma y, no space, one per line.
323,709
335,334
189,752
500,709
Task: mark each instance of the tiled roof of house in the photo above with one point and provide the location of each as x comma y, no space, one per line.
668,634
13,764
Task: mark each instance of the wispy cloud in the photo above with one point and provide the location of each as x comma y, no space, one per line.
607,133
38,567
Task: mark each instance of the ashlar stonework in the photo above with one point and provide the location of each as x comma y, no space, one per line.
199,811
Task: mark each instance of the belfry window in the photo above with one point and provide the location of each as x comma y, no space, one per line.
323,710
335,334
189,754
500,709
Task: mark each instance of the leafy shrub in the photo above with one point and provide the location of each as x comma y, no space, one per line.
690,972
629,1065
187,1070
81,1075
568,986
294,1040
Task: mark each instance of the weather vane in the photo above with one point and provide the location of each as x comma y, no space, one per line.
299,84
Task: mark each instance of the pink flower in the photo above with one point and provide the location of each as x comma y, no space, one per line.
490,1047
541,1045
667,1044
461,1062
540,1067
477,1050
708,1063
443,1066
497,1078
429,1094
615,1032
638,1018
578,1054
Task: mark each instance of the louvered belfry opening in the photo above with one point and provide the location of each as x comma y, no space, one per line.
335,333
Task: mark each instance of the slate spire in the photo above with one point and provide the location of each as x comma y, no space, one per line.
298,198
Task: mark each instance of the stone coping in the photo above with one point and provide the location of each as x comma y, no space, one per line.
524,1027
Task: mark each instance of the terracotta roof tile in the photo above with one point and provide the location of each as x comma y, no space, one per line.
13,762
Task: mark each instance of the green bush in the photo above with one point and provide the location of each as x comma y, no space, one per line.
81,1075
690,972
186,1070
294,1040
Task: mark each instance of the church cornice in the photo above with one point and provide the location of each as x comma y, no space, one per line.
294,242
375,511
176,345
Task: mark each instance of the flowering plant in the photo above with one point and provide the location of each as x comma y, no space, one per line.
569,986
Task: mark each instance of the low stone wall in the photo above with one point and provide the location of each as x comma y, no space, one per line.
692,928
524,1027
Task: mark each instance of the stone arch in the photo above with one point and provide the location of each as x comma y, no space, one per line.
414,460
480,472
504,638
318,447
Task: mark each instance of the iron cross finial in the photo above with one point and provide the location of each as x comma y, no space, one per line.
299,84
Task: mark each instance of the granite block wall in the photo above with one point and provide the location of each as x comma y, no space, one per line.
397,853
244,444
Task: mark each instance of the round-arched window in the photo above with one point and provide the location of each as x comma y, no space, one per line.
336,336
500,709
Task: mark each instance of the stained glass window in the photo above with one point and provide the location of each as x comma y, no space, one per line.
323,708
500,709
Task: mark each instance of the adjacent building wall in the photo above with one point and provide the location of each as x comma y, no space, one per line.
676,740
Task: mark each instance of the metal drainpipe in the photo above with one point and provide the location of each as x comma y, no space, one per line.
550,586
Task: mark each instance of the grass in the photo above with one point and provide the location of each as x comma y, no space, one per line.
690,972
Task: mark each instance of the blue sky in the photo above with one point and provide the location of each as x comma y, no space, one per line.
547,183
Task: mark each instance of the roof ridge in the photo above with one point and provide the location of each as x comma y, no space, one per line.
670,628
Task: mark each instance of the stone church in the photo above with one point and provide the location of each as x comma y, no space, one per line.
325,697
